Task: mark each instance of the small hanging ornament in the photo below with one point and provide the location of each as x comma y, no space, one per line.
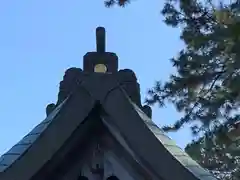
97,167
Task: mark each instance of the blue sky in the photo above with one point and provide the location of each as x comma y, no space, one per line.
39,40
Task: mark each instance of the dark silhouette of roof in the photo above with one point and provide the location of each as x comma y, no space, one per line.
156,150
82,178
112,178
117,96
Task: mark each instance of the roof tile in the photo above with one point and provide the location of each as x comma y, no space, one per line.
179,154
2,167
29,139
198,171
186,161
9,159
175,150
18,149
39,128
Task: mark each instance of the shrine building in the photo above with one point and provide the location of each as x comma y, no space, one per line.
98,130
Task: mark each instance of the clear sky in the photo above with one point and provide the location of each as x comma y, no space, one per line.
39,40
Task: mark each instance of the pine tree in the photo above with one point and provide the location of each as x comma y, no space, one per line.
207,84
206,87
215,156
121,3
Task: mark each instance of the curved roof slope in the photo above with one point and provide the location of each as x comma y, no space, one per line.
174,150
157,151
150,143
7,159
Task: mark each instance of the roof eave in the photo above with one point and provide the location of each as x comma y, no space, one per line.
142,140
77,109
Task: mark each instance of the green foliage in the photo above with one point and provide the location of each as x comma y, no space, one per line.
121,3
216,157
206,87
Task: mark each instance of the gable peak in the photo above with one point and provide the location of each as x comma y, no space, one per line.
100,61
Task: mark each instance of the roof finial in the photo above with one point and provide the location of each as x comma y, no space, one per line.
100,60
100,39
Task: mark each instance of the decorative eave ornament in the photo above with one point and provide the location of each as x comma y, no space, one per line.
100,61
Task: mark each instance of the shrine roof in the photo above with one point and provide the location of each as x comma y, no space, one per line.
175,150
7,159
148,142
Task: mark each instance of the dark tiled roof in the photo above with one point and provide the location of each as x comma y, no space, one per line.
124,114
7,159
176,151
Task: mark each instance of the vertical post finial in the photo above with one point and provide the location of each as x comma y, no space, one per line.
100,39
